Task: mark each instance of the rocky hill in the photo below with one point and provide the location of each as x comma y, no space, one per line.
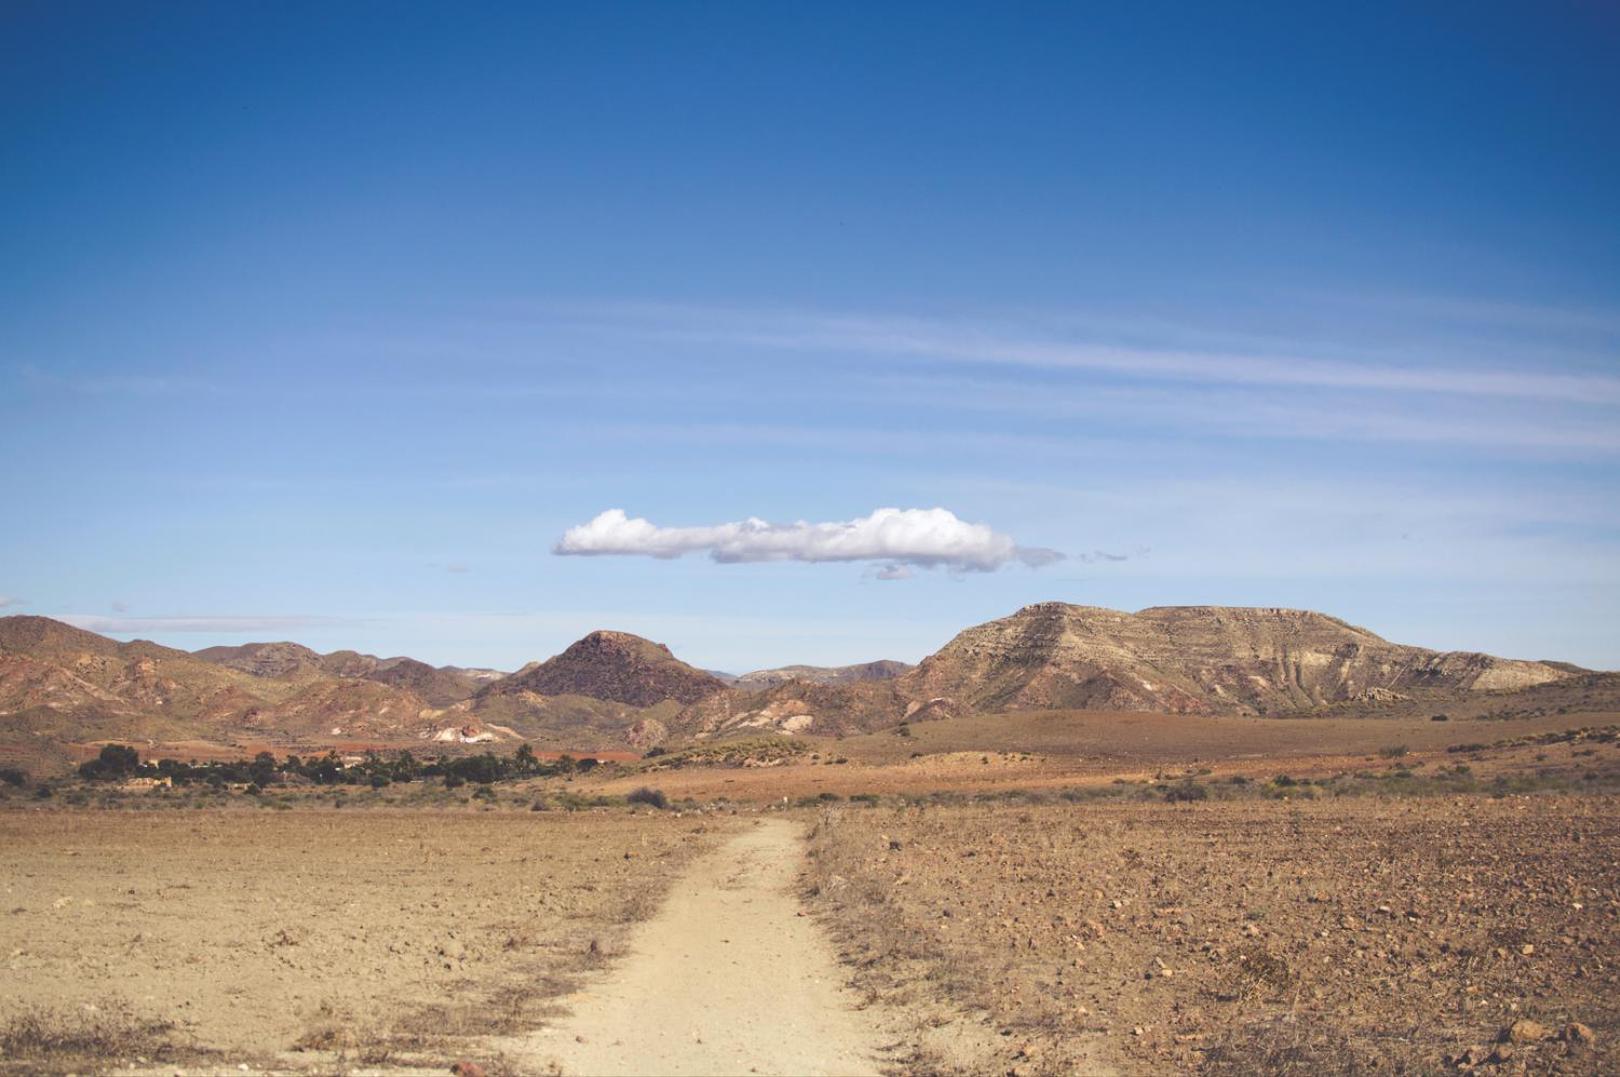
67,684
613,666
440,686
882,670
283,659
1194,660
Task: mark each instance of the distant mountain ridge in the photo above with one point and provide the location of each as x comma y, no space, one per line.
63,682
881,670
441,686
613,689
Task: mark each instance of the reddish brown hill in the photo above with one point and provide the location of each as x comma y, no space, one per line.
67,684
612,666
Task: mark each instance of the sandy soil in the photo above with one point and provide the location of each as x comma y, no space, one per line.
309,940
729,978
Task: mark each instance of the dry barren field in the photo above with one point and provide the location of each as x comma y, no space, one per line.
316,940
1056,750
1405,897
1351,935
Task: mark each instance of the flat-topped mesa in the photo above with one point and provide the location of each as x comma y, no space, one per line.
1191,659
613,666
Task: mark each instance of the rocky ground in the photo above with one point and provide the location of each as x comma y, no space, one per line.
1350,935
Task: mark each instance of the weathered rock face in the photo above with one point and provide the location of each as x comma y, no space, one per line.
1191,660
794,706
612,666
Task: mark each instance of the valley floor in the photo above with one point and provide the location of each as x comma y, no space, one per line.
1133,902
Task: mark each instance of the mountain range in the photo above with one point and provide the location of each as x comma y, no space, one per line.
62,684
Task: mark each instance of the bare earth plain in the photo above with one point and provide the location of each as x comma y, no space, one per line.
313,940
1049,892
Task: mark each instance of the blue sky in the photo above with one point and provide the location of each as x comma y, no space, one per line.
327,322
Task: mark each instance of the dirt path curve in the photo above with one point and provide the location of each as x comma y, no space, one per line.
728,978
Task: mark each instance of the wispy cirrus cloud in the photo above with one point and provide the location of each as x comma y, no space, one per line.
219,624
7,601
999,345
922,538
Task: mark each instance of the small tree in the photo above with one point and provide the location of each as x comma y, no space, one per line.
524,761
115,762
262,771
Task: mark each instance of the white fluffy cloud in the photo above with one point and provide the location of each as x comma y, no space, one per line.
926,538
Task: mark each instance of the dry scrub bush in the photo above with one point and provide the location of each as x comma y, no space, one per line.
47,1038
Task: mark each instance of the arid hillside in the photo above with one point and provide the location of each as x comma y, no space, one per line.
440,686
793,707
882,670
1195,660
613,666
65,684
61,686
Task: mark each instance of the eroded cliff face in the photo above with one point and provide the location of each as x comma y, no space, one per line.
1192,660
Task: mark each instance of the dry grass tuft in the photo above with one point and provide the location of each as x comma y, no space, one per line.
47,1040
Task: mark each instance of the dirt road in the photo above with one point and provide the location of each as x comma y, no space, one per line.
729,978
